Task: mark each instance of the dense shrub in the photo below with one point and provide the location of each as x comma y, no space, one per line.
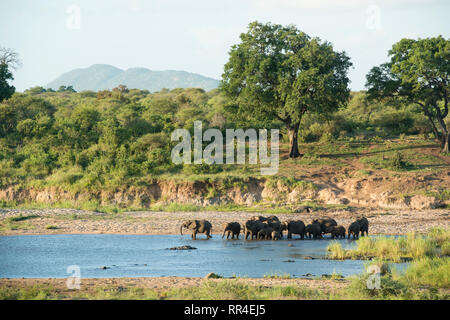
91,139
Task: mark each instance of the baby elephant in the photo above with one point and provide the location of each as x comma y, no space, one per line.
276,235
233,228
265,233
337,232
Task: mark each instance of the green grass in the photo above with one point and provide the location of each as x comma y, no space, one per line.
401,158
119,293
290,183
441,195
88,205
235,290
424,279
18,222
336,252
433,272
32,293
413,246
174,207
20,218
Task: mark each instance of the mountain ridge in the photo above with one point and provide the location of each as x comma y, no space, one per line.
105,77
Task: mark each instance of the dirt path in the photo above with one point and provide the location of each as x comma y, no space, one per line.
71,221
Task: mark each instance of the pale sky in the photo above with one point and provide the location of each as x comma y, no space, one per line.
196,35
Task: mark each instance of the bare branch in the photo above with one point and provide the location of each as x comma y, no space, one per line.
10,57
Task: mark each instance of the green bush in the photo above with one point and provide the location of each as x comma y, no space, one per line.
203,168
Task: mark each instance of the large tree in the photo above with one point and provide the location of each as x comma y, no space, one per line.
6,90
9,59
279,72
418,72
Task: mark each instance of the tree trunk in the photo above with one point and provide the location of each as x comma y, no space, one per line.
445,142
435,130
293,141
445,131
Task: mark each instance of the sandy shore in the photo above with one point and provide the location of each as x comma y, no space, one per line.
72,221
161,284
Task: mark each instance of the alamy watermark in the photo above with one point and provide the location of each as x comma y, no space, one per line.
373,21
374,280
74,280
214,153
73,21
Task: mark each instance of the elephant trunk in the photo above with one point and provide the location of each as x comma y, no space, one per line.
181,229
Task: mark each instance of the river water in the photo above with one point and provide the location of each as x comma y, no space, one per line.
49,256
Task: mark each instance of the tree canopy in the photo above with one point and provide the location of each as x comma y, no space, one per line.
419,72
9,60
279,72
6,90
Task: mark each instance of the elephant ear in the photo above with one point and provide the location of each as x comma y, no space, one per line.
193,224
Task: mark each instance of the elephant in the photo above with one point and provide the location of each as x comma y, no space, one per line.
197,226
284,226
325,224
277,226
252,228
354,229
265,233
233,228
258,218
308,232
276,235
363,226
272,218
296,227
338,232
314,230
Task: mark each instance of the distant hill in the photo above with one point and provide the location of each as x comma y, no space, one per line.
103,76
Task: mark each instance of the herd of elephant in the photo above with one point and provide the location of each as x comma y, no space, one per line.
271,228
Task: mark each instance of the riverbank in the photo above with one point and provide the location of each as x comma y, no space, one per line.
73,221
180,288
162,287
